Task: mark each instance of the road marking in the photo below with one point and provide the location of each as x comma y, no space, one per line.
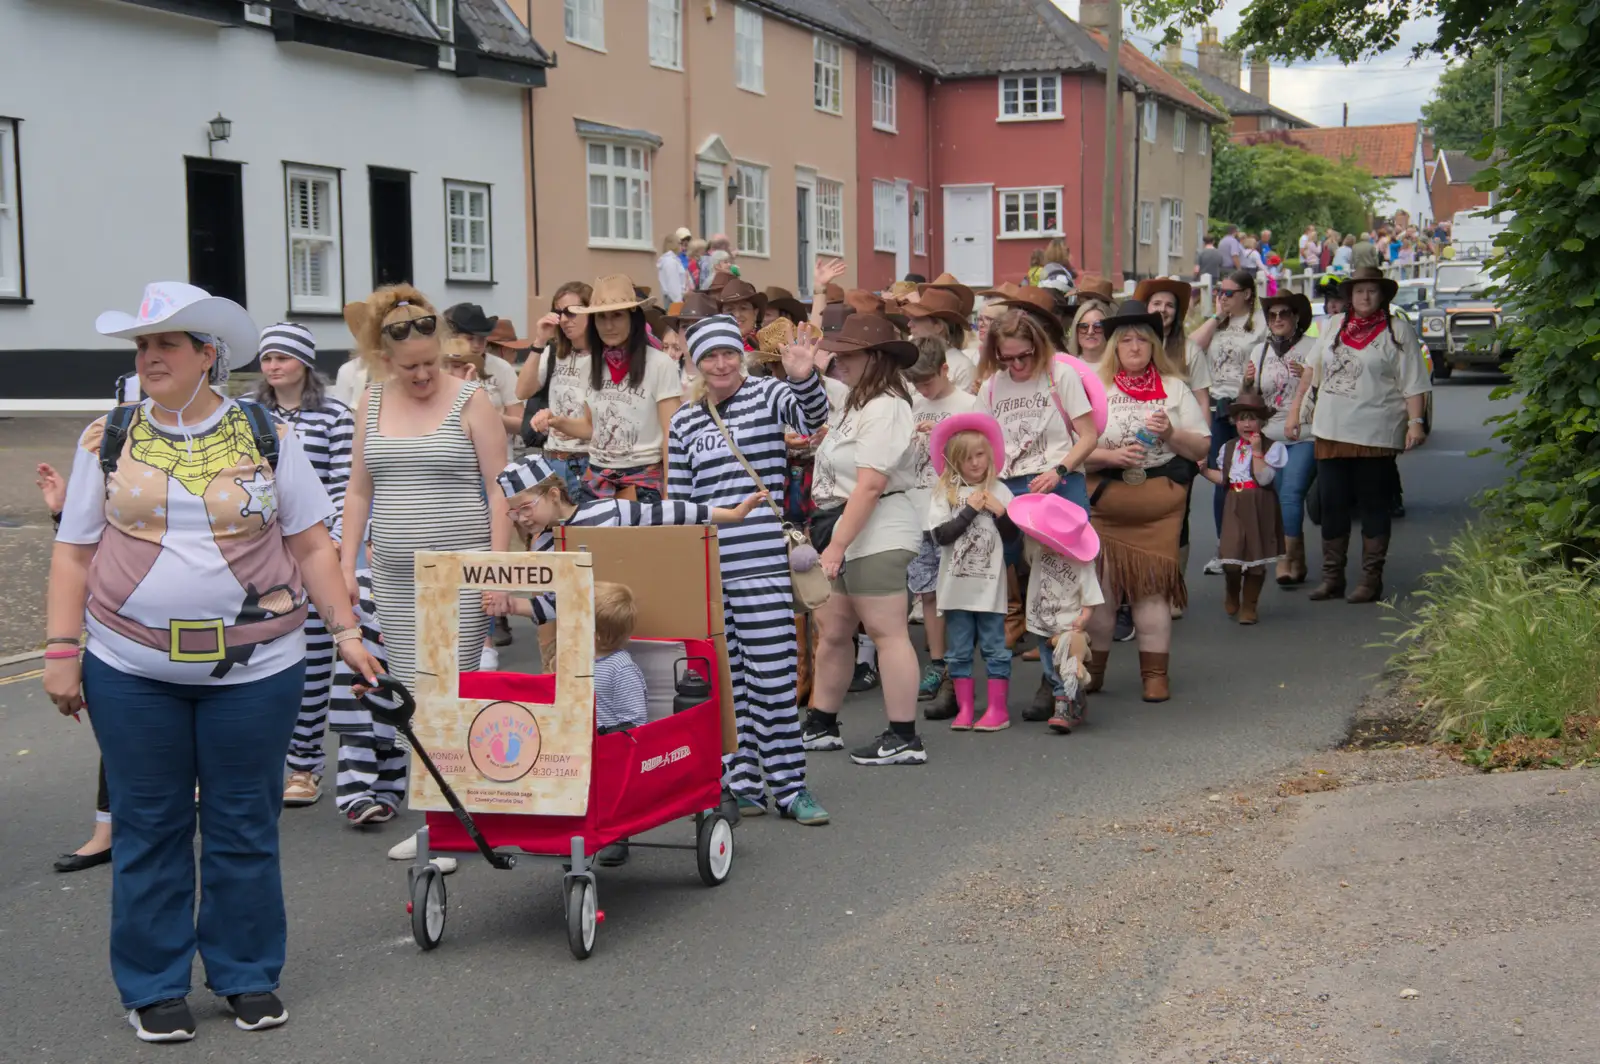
22,676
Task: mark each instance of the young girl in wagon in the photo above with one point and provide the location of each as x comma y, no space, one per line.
1060,547
1252,523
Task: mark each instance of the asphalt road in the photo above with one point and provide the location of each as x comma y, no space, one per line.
816,924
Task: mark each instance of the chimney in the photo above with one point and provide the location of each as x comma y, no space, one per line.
1094,15
1260,77
1230,65
1174,56
1208,51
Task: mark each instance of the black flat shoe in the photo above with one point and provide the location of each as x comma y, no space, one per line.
77,862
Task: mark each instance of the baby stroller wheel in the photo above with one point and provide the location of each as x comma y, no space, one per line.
428,907
582,919
714,849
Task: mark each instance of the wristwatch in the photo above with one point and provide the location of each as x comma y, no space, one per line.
1063,472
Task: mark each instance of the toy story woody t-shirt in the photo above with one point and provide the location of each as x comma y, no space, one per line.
191,580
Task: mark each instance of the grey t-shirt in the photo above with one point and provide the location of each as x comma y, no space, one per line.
1210,261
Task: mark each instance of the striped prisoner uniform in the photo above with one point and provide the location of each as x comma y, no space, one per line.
327,435
757,595
372,761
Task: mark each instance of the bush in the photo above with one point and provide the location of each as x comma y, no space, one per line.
1503,648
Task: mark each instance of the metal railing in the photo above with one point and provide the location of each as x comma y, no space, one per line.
1304,282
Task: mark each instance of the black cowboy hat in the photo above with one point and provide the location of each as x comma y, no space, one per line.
1388,285
1295,302
871,332
1132,312
470,319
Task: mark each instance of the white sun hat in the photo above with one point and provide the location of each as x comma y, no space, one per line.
172,306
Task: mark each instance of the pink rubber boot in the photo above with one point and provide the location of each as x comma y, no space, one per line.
965,704
997,717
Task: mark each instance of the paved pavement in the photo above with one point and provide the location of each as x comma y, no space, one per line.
833,943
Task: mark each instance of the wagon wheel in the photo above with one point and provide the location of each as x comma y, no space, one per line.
714,849
582,918
427,907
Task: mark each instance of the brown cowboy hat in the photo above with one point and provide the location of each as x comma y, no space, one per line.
834,315
783,301
948,282
504,333
939,303
833,293
616,292
356,317
871,332
695,305
1093,286
1250,401
1182,291
1388,285
1295,302
863,301
738,290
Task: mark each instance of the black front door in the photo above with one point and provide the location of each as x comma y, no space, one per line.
216,227
391,226
802,199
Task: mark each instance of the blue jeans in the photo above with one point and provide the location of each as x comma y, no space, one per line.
1047,660
158,740
1073,488
961,627
571,470
1221,432
1292,482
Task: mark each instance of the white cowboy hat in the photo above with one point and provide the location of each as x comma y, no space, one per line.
172,306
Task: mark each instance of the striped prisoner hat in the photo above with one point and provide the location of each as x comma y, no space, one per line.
289,338
712,334
524,474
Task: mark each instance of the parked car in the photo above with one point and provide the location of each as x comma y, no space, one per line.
1461,328
1415,295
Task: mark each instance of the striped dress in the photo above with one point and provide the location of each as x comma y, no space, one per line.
327,435
757,598
427,494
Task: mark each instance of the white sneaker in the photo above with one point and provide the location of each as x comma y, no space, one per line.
445,865
916,609
489,660
1213,567
406,850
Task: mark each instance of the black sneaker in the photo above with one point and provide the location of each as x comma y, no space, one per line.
821,732
865,679
257,1012
1124,631
502,632
163,1021
613,856
891,749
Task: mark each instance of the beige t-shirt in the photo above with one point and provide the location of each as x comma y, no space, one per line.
963,372
1230,345
1361,395
1278,384
972,570
930,412
569,393
877,436
1058,589
1199,367
500,381
627,424
1037,438
1125,417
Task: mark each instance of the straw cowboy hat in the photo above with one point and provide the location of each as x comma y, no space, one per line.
172,306
1250,401
938,303
1388,285
738,290
356,317
696,306
902,289
1295,301
1132,312
457,350
948,282
971,421
1179,290
871,332
783,301
1059,524
1093,286
611,293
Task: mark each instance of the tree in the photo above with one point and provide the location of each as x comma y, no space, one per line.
1280,187
1461,110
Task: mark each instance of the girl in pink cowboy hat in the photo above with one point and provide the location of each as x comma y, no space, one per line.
967,519
1060,547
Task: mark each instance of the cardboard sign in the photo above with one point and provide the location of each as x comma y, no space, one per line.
504,756
675,574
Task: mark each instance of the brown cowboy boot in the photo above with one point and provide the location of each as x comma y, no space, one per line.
1335,552
1230,595
1153,671
1098,660
1374,552
1295,556
1254,580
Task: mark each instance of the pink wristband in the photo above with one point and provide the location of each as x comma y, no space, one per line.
61,654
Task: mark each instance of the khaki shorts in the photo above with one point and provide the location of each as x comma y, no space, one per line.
883,573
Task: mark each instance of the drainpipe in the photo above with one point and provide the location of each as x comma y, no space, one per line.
1138,154
533,195
927,146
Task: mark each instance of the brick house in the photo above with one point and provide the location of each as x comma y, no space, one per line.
1450,184
1397,152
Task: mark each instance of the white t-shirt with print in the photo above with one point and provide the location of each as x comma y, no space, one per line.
963,372
1230,346
1242,464
1278,383
1058,588
972,570
627,423
1199,367
1125,417
569,392
877,436
1037,438
1361,395
930,412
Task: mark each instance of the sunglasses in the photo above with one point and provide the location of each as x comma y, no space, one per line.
1013,360
401,329
568,312
1280,315
1229,291
1091,328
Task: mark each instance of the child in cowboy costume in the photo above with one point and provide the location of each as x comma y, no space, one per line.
1252,523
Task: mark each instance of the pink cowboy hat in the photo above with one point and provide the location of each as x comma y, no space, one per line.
1060,525
1093,386
971,421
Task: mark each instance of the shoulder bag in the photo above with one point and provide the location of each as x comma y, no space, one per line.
539,400
811,586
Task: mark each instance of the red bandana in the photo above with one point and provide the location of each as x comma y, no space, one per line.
1359,332
1146,387
750,342
617,363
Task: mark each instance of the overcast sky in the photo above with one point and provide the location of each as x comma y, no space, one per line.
1390,88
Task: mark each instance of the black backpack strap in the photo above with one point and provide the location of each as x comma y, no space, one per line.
118,421
262,430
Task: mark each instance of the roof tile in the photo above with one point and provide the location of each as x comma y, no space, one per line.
1239,102
1383,151
500,32
971,38
1461,166
1159,79
390,16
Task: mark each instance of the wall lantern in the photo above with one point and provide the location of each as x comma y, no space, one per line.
733,189
219,128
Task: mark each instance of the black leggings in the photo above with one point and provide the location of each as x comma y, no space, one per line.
1359,488
102,797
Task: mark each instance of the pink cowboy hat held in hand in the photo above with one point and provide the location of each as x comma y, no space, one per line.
1092,386
972,421
1060,525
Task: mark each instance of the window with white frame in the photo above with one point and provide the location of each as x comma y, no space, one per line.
11,286
1175,228
468,240
586,23
1152,115
830,217
919,221
443,15
316,280
883,227
1199,233
750,210
827,75
666,34
1180,130
1029,96
883,101
619,195
258,14
1028,212
749,62
1205,139
1147,222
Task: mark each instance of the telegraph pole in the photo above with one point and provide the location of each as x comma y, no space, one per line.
1108,202
1499,99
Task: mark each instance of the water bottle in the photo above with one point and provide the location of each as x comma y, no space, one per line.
692,689
1146,437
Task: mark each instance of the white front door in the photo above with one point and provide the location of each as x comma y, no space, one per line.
902,229
969,233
